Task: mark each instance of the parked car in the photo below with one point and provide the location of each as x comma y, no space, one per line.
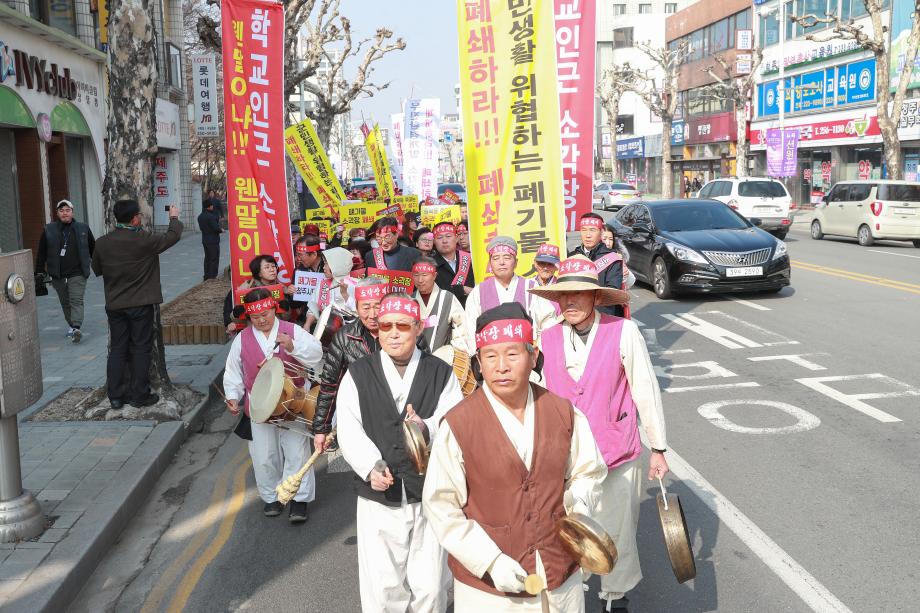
614,196
457,188
700,246
870,211
766,199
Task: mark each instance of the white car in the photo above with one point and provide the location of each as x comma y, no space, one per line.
870,211
614,196
761,198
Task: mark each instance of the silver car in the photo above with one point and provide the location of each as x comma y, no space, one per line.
614,196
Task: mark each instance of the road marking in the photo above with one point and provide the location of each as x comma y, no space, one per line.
748,303
185,589
713,371
799,580
670,352
795,358
855,401
159,591
903,255
711,331
856,276
696,388
804,420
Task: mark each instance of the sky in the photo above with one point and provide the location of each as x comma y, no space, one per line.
427,68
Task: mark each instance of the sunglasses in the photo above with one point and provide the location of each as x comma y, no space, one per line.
387,326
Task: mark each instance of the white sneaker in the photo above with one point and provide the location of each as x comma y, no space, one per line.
77,335
70,333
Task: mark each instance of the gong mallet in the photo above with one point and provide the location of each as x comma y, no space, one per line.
287,489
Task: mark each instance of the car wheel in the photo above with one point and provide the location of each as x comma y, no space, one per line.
864,235
781,235
917,244
773,290
661,281
816,232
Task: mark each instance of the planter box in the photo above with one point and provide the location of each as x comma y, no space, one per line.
194,334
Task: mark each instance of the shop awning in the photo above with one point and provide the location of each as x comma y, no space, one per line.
13,111
67,118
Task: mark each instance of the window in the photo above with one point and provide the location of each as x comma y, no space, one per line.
838,194
859,192
902,193
769,30
645,9
762,189
627,216
789,24
59,14
622,38
619,9
718,33
696,45
174,56
670,7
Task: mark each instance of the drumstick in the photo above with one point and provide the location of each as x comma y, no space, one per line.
287,489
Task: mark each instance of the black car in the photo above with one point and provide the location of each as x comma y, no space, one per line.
700,246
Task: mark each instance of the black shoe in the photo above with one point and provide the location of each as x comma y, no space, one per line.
616,606
77,335
149,399
116,404
272,509
298,512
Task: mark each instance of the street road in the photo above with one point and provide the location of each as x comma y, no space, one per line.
793,433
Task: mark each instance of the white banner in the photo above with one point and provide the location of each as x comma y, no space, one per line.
204,76
306,285
421,133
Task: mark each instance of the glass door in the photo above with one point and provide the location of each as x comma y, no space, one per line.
10,231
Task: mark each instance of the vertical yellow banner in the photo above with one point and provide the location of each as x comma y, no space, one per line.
511,127
308,156
378,157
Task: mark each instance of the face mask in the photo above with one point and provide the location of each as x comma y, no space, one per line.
374,243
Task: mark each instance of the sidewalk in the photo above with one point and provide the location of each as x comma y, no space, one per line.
92,476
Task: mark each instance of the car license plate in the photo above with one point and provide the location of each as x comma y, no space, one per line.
747,271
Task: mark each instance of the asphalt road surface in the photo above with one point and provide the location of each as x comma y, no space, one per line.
793,433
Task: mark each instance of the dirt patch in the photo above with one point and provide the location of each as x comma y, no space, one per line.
202,304
67,405
88,404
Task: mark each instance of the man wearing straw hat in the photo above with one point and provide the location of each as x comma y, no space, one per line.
506,464
276,453
401,567
600,362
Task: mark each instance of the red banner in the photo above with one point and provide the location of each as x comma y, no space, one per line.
575,49
253,53
397,280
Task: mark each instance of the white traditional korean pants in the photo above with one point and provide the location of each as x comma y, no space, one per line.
276,454
401,566
618,512
567,598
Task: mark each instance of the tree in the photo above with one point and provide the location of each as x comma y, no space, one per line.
616,81
662,100
738,90
878,44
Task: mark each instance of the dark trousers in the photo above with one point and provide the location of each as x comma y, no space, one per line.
211,259
130,342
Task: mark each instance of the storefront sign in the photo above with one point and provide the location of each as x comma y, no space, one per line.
165,186
678,132
782,152
837,86
630,148
743,63
167,124
842,128
253,70
744,40
712,129
43,126
35,73
204,81
575,58
820,53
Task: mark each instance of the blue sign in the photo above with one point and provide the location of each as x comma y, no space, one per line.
832,87
861,81
631,148
677,132
809,91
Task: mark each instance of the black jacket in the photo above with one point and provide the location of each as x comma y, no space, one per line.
399,258
446,274
209,224
78,257
612,276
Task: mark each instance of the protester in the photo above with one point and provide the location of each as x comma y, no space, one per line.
608,262
601,363
390,255
65,250
455,267
209,224
506,463
337,265
442,315
401,566
308,254
463,236
612,241
423,239
276,453
264,272
127,259
546,261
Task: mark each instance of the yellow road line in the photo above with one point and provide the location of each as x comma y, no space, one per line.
856,276
158,593
223,534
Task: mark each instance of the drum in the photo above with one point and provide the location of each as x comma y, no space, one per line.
275,396
460,362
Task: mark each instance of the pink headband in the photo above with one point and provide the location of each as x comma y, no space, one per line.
423,267
498,249
577,265
387,229
505,331
400,306
260,306
548,249
303,248
443,229
370,292
591,222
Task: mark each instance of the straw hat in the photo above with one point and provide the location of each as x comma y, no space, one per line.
579,274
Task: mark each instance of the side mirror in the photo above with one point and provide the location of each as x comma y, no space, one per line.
641,228
757,221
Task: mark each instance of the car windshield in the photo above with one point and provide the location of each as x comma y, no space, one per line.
761,189
622,186
688,217
454,187
903,193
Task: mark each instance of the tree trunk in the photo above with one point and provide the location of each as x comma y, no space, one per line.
743,147
888,120
613,117
324,129
667,189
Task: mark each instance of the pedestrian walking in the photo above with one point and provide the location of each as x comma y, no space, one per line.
65,251
127,259
209,224
687,186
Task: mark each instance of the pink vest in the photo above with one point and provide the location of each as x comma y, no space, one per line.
252,355
602,393
488,294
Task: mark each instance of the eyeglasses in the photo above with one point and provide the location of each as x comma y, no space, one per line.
388,325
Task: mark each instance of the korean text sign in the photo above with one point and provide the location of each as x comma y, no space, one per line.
510,108
253,54
307,285
204,78
377,155
309,157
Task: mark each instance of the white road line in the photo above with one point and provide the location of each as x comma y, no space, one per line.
799,580
670,352
903,255
794,358
855,401
638,323
713,332
719,386
748,303
712,411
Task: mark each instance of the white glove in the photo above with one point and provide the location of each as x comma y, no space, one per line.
581,508
507,574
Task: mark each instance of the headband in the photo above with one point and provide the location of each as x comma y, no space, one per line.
371,292
442,229
400,306
424,267
387,229
260,306
502,249
505,331
463,225
573,266
548,249
304,248
591,222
